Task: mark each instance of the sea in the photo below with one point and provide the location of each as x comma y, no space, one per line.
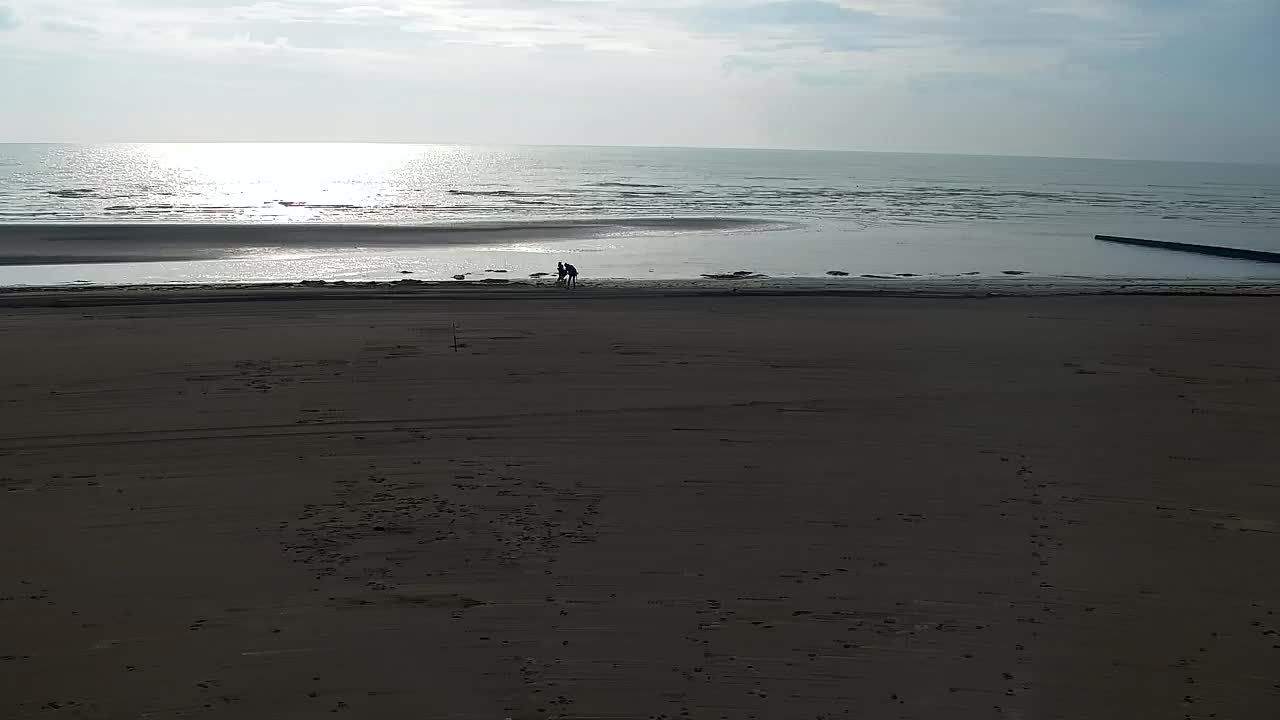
265,213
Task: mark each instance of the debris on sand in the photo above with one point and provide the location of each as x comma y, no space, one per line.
837,273
539,275
495,271
406,272
459,277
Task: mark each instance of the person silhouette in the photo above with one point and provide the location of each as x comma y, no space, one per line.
573,275
560,274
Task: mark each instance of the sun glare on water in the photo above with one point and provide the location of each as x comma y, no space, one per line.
294,182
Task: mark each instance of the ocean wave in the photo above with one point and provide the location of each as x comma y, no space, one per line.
909,202
626,185
86,194
498,193
74,193
319,206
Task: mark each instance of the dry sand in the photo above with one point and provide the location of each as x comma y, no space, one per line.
637,506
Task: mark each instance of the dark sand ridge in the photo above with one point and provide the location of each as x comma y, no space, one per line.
84,243
636,505
541,288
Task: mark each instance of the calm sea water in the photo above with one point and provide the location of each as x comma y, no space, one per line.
614,212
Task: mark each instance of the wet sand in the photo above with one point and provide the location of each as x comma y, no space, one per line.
632,505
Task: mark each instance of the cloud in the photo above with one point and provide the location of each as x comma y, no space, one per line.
712,30
965,75
785,13
351,27
903,42
8,18
59,26
902,39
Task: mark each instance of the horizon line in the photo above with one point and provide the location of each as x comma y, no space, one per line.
639,146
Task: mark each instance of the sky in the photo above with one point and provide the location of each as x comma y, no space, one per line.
1145,79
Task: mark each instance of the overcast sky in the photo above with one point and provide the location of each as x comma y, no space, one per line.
1160,79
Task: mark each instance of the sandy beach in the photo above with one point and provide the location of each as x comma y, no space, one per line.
523,504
